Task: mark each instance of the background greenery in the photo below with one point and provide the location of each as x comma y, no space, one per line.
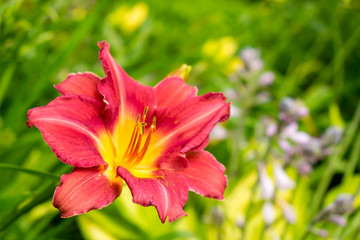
311,46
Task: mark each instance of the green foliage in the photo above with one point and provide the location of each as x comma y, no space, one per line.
311,46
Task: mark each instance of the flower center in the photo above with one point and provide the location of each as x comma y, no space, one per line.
135,152
132,146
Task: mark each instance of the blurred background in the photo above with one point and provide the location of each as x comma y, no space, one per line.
291,147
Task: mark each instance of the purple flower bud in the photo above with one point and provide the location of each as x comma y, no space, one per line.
240,222
266,184
304,168
320,232
337,219
286,104
271,130
269,125
249,53
291,132
291,110
283,181
313,149
286,146
251,58
344,203
332,136
287,211
267,78
255,65
268,212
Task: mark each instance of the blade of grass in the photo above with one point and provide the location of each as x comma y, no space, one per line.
350,132
354,158
5,80
29,171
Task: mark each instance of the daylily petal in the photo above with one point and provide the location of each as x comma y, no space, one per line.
83,190
205,175
167,192
69,124
188,124
172,91
172,161
80,84
125,97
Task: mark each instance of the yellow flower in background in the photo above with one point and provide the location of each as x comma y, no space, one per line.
129,18
223,52
79,14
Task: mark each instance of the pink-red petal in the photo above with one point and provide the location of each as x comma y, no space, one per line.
205,175
172,91
167,192
70,124
188,124
80,84
83,190
123,95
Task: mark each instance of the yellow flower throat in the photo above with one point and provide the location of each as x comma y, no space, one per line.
140,154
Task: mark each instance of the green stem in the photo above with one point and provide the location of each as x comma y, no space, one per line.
350,132
353,159
27,170
324,184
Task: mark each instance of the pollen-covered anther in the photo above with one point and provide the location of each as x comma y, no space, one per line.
136,151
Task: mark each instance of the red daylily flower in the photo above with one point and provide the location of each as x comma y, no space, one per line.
115,129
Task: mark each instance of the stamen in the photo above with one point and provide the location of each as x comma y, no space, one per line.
145,112
132,140
133,154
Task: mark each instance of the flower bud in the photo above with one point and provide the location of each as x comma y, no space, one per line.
266,184
343,203
255,64
291,110
287,210
268,212
271,130
249,53
282,180
240,222
182,72
251,58
304,168
291,132
286,147
337,219
313,149
267,78
320,232
332,136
